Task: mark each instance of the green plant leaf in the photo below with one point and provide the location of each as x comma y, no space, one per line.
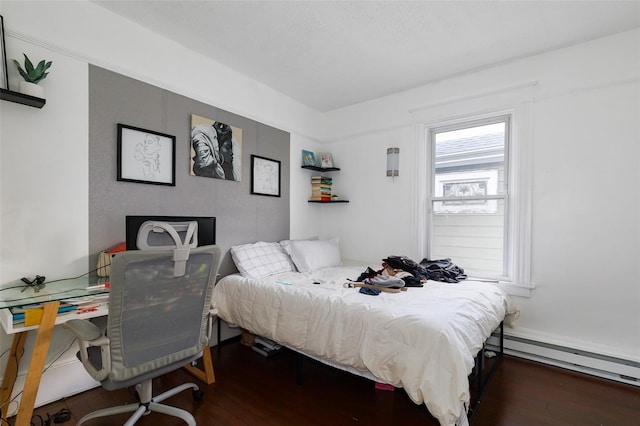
28,66
21,71
31,74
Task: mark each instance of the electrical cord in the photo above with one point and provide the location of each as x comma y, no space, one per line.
43,371
61,416
47,282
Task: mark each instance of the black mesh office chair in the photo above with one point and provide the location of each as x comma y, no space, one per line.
158,322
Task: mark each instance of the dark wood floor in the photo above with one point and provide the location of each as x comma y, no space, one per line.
253,390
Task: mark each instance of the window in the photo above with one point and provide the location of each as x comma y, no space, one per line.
469,195
474,197
472,192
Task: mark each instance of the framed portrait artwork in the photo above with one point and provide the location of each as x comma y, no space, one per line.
145,156
326,160
308,158
4,77
216,149
265,176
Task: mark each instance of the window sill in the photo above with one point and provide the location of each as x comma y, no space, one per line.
512,289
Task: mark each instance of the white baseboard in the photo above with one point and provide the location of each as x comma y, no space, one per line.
595,364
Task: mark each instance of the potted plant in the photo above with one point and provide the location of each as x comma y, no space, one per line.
32,76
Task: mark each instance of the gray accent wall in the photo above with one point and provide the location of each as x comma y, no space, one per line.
241,216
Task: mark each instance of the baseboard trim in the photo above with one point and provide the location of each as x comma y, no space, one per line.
608,367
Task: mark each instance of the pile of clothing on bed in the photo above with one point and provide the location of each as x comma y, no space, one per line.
412,273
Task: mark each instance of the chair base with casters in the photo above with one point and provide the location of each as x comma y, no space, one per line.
148,404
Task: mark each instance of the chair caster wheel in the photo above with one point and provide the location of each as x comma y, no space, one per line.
198,395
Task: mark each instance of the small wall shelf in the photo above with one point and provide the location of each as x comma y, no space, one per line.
20,98
321,169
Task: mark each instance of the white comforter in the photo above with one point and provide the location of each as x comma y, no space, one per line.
423,340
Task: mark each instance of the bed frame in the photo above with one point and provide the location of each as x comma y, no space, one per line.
476,376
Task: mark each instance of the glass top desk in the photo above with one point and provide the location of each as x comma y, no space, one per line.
17,293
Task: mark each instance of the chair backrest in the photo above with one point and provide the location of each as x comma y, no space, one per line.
156,318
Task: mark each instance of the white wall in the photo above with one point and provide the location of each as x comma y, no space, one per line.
586,202
44,152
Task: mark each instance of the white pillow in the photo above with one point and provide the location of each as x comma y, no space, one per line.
310,255
285,244
261,259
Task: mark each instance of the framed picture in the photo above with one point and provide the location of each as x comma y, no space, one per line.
326,160
145,156
216,149
308,158
4,77
265,176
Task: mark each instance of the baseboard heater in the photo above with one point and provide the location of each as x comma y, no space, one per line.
607,367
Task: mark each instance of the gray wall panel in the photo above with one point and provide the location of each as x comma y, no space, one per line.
241,216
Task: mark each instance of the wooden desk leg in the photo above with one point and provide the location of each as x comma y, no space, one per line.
38,359
207,375
11,370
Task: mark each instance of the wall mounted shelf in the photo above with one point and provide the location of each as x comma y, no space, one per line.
321,169
20,98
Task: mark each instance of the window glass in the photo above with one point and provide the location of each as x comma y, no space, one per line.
468,195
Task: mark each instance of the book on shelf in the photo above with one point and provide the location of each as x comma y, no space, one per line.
321,179
320,188
32,314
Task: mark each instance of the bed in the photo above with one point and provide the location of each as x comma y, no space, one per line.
423,340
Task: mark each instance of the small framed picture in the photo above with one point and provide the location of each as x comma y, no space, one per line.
308,158
4,77
145,156
326,160
265,176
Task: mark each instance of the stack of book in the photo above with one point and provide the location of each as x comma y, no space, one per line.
266,347
320,188
29,315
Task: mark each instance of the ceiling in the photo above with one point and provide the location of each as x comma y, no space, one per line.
331,54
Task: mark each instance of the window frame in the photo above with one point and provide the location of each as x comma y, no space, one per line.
517,102
505,118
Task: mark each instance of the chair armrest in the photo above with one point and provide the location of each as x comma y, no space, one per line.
83,329
89,335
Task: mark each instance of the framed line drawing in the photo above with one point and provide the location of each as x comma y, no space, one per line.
265,176
4,77
145,156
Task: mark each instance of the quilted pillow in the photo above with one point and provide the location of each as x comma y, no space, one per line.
311,255
261,259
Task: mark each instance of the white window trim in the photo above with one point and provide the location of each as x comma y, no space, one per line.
516,101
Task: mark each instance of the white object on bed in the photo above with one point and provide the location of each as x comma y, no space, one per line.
310,255
423,340
261,259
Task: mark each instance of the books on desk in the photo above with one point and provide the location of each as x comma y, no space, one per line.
29,315
32,314
266,347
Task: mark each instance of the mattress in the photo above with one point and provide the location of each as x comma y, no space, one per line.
423,339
